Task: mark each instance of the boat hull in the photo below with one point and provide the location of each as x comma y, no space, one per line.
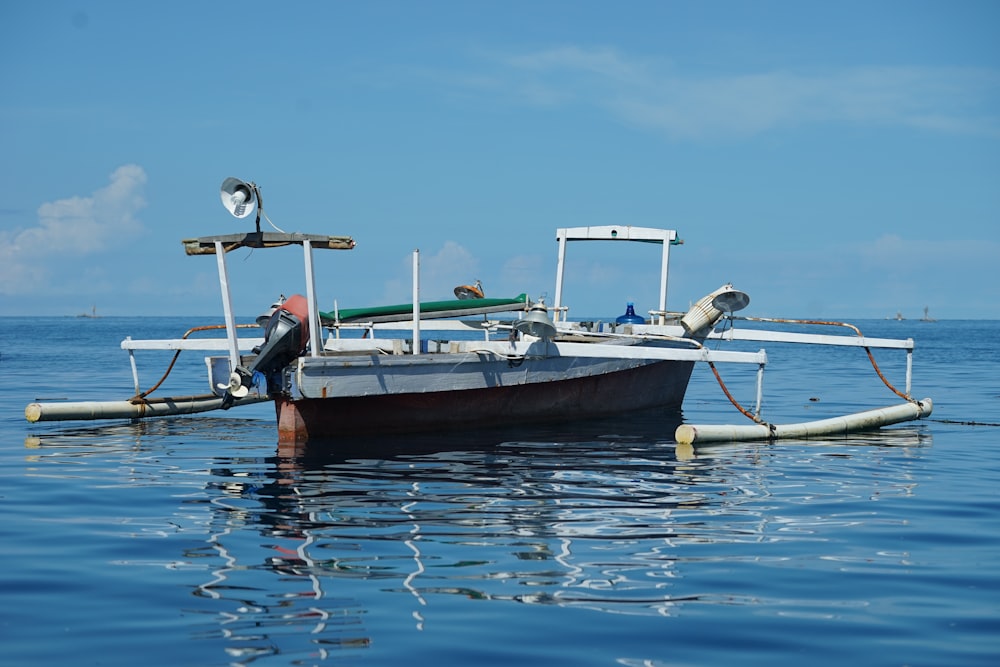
504,397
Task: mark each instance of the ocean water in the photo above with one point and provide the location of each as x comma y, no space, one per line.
196,541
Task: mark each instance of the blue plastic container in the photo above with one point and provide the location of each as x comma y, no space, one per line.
630,317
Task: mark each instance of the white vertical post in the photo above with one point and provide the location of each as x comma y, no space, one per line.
664,271
760,389
314,333
559,274
909,368
416,301
135,369
227,307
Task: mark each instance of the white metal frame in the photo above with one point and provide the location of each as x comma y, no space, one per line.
665,237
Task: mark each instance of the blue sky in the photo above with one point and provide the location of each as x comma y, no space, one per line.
836,160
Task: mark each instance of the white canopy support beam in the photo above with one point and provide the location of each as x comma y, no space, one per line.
314,333
227,307
416,301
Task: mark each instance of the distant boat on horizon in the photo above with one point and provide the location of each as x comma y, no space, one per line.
899,316
92,314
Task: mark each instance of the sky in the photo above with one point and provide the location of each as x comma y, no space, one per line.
833,160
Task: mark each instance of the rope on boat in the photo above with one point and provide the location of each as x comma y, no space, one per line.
731,398
853,328
884,380
962,422
141,397
871,358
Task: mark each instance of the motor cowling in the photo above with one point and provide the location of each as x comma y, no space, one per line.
286,336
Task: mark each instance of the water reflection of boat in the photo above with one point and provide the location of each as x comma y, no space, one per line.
293,555
593,524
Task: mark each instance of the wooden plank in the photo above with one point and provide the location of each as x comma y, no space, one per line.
205,245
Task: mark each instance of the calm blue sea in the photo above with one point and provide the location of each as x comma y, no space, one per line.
194,541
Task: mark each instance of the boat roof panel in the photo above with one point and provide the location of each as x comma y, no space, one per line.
205,245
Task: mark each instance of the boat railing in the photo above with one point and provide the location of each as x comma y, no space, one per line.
661,317
177,345
764,335
206,344
559,313
843,340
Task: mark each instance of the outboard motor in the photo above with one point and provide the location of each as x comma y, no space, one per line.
285,337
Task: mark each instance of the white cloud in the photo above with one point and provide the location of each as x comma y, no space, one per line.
657,95
76,225
440,273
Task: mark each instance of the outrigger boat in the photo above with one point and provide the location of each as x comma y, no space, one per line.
458,364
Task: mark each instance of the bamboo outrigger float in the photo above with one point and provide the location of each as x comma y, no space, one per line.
692,434
376,371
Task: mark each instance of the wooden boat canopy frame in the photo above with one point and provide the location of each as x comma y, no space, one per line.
219,245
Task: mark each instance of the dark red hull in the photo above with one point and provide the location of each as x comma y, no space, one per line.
660,384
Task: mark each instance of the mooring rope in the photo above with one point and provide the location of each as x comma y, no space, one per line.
962,422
